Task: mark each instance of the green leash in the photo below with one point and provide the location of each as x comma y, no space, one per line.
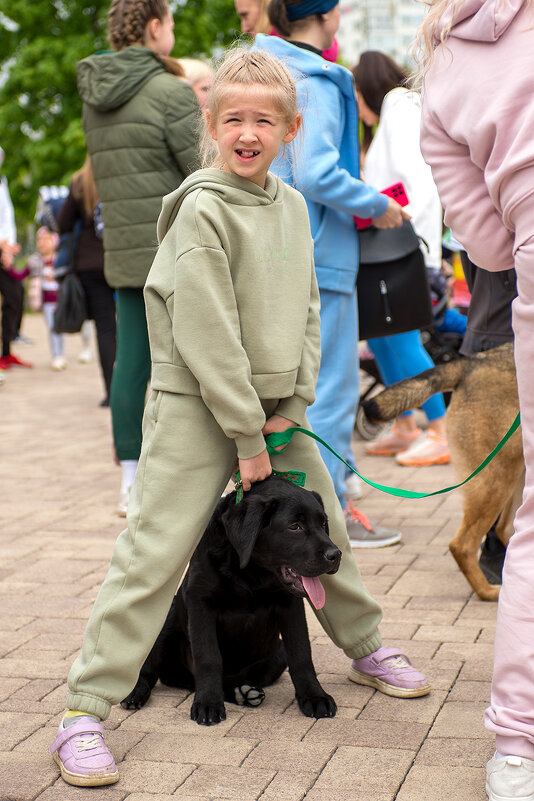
284,438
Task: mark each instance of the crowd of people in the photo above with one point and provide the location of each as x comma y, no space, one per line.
261,171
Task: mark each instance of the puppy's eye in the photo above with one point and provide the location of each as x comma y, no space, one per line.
295,527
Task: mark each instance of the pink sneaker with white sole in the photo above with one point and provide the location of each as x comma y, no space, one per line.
391,672
82,755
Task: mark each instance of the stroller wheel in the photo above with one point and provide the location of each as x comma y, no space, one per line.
364,427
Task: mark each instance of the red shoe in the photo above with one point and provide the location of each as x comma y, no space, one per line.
14,361
4,365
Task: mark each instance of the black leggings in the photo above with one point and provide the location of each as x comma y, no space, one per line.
12,292
99,297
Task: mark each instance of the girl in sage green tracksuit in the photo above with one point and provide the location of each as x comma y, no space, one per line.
233,316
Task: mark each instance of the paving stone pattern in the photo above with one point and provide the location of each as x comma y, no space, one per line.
58,524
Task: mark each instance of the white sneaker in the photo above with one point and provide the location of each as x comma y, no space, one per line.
85,356
124,498
510,778
353,486
59,363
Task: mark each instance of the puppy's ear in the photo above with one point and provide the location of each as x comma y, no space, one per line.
243,522
316,495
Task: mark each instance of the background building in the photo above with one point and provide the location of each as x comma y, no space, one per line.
386,25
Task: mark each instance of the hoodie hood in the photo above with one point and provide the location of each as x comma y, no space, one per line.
108,80
303,63
480,20
232,188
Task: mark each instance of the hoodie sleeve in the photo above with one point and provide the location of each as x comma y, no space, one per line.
294,408
317,172
206,331
181,122
469,210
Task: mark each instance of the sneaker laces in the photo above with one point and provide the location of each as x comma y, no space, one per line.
88,742
396,662
354,514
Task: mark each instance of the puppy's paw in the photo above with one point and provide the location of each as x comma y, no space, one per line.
208,713
317,706
138,697
245,695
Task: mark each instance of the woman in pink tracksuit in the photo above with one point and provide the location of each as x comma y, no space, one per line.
478,137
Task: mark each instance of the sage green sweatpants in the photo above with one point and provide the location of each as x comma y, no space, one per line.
186,461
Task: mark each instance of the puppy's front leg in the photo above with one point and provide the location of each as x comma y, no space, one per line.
208,704
313,701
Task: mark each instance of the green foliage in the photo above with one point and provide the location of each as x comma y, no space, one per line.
40,110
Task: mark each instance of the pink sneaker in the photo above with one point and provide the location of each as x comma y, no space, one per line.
82,755
391,672
392,442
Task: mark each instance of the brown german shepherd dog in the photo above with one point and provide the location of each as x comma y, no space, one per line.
483,405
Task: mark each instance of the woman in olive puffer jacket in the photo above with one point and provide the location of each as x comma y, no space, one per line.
140,121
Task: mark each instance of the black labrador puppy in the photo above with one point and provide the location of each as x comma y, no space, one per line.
243,589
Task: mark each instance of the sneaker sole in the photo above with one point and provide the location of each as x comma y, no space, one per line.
384,687
82,780
386,451
424,462
377,544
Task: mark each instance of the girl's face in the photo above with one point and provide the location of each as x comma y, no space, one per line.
159,35
248,12
201,89
367,116
45,243
249,131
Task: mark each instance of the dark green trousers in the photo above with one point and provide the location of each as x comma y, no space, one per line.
130,374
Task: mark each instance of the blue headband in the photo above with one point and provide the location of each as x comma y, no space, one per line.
309,7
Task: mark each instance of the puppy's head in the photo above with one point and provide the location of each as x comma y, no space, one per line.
283,528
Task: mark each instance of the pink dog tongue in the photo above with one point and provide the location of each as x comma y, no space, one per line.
315,591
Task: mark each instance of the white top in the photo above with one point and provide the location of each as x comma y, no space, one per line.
7,214
395,155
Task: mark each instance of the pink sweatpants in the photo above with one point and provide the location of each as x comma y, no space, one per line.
511,713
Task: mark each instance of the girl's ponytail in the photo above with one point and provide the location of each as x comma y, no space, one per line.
278,17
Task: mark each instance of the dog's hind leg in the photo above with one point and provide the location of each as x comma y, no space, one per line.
481,508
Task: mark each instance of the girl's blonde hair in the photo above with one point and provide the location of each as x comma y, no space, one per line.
127,20
195,69
245,67
84,188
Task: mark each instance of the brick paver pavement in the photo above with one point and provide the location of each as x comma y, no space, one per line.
58,525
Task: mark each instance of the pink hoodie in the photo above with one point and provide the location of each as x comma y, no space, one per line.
477,130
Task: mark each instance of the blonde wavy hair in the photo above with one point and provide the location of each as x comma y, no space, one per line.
245,67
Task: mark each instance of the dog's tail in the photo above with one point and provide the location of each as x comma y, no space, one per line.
412,392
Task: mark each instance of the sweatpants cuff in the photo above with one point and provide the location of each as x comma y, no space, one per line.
517,746
90,704
368,646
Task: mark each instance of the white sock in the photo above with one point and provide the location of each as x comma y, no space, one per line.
129,466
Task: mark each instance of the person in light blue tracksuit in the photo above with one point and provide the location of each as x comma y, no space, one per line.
326,170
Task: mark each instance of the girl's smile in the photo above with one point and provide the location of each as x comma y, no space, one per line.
249,130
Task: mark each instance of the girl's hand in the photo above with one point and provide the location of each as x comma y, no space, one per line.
255,469
275,424
392,217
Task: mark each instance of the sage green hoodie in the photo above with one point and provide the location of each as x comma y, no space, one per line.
232,301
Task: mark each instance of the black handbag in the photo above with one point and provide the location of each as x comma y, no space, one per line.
71,310
392,284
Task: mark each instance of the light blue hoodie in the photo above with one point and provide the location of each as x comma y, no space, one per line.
324,163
